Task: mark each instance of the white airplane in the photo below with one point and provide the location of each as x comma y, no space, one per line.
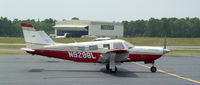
104,51
64,36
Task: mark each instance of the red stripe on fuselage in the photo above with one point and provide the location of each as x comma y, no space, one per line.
143,57
90,57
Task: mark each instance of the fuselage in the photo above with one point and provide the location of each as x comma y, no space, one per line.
92,51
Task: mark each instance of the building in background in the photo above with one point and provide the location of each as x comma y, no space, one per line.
78,28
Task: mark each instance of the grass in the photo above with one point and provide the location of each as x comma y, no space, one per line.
138,41
178,55
71,40
146,41
174,53
183,53
11,40
11,46
187,51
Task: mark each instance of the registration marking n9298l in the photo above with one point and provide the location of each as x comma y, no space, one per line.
77,54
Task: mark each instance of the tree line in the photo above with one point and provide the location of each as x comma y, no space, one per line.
12,28
170,27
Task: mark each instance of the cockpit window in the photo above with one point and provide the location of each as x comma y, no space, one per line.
106,46
128,45
118,45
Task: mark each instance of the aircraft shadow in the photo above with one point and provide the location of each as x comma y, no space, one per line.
123,73
120,73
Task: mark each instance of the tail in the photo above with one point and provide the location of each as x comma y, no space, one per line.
65,35
35,39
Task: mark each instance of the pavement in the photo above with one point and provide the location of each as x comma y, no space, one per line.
39,70
11,50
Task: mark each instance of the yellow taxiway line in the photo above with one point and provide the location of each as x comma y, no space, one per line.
172,74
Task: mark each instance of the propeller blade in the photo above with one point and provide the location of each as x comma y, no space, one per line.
165,50
165,43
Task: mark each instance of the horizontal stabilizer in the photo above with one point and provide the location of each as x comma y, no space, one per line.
27,49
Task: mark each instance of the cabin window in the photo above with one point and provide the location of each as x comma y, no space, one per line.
106,46
81,48
71,48
118,45
93,47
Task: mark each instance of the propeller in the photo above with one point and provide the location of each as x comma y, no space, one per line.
165,50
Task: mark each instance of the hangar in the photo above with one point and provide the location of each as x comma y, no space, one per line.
78,28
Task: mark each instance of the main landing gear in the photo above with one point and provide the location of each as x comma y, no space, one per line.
153,69
111,70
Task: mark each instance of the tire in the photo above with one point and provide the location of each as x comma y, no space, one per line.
114,70
153,69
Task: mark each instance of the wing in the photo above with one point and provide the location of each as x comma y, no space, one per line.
114,56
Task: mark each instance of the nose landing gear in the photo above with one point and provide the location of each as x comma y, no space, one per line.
153,68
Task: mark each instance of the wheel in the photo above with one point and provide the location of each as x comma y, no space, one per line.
114,70
153,69
107,67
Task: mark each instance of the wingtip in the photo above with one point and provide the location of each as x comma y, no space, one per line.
26,25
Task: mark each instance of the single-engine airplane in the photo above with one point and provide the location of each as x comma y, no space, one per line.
101,50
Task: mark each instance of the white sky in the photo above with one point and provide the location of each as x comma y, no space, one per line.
100,10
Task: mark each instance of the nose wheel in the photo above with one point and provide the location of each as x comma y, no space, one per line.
153,69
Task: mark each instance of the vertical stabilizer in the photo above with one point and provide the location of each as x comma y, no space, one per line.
35,39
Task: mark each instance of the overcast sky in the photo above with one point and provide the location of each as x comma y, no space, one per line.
100,10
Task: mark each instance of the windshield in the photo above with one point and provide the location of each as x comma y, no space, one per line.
128,45
118,45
